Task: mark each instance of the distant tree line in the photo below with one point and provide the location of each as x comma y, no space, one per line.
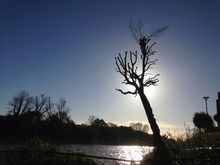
30,116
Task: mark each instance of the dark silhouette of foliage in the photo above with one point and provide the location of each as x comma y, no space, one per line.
49,107
46,118
62,111
20,103
38,104
58,131
203,121
96,122
135,68
99,123
91,119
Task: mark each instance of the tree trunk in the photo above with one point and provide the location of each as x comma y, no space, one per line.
160,153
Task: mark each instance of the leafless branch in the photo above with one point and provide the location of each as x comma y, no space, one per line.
157,31
136,29
127,92
127,65
151,81
127,69
149,64
39,103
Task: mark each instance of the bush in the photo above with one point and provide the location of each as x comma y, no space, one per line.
192,148
195,148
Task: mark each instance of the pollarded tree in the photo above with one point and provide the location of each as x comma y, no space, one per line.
135,69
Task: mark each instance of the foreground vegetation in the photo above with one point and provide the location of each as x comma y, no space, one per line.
39,152
193,148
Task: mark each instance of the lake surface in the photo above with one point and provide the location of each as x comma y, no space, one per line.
134,153
120,152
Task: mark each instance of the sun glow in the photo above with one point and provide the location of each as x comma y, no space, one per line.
151,91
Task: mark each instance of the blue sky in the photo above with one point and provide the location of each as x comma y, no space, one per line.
67,49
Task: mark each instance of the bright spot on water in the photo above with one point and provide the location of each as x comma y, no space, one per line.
134,153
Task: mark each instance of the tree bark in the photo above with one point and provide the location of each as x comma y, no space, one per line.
161,155
148,110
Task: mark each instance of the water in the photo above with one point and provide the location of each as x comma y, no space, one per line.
134,153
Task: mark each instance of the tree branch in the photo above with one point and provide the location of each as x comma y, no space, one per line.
127,92
127,65
151,81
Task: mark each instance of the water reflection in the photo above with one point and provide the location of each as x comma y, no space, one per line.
134,153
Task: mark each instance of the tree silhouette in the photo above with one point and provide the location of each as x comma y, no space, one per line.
135,70
49,107
96,122
99,123
39,104
62,111
20,103
202,121
139,127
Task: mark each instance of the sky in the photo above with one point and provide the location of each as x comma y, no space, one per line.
67,49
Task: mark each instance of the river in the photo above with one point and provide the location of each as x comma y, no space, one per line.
135,153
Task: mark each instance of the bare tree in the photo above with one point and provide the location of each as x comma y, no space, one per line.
63,110
49,107
39,104
20,104
92,119
135,70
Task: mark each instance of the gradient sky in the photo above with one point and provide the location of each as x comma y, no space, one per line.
66,48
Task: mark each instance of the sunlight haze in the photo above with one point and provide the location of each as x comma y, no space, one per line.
67,49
